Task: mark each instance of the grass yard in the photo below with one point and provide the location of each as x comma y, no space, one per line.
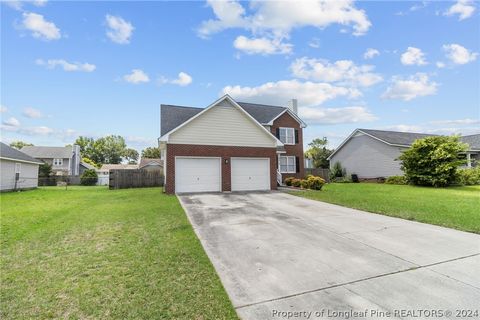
89,252
455,207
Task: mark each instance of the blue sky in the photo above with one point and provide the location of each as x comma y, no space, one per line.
98,68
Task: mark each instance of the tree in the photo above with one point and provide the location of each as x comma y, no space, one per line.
91,162
151,152
319,153
89,177
433,161
19,144
45,170
131,155
109,149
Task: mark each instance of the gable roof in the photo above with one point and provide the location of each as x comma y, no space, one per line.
150,161
87,165
48,152
171,116
406,139
7,152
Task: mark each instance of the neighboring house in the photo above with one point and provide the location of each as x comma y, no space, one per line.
230,146
151,164
18,170
85,166
104,172
374,153
65,161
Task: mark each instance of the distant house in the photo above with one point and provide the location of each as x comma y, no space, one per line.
65,161
373,153
107,167
18,170
150,164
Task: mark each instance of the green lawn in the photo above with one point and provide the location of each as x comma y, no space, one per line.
89,252
455,207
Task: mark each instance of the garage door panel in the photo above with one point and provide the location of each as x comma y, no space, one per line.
197,175
250,174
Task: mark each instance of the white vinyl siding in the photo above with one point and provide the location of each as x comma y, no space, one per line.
288,164
28,175
287,135
223,125
368,158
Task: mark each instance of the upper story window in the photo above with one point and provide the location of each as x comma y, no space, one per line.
57,162
287,135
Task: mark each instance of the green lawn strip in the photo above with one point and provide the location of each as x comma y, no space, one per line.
90,252
454,207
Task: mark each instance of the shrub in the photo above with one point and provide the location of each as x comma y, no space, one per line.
296,182
315,183
341,180
337,171
469,176
305,184
45,170
433,161
288,181
396,180
89,178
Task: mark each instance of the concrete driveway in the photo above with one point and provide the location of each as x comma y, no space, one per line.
284,257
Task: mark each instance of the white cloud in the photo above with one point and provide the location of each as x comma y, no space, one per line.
18,4
335,115
277,93
344,71
276,19
67,66
458,54
371,53
3,109
463,8
32,113
40,3
459,122
12,122
40,28
413,56
262,45
417,85
119,30
440,64
137,76
29,131
184,79
314,43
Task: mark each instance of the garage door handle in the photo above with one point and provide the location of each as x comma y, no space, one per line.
249,178
198,179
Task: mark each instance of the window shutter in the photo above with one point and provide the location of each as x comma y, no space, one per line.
297,164
278,133
296,136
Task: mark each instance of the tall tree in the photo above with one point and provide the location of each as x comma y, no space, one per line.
319,152
19,144
109,149
151,152
131,155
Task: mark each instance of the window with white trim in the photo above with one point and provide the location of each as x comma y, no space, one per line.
288,164
287,135
57,162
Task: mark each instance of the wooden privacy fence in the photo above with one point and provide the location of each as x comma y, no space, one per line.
323,173
137,178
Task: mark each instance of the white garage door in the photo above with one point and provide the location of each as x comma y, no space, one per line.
250,174
197,174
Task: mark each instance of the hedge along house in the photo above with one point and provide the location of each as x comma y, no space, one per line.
18,170
230,146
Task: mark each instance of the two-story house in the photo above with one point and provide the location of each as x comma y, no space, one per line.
65,161
230,146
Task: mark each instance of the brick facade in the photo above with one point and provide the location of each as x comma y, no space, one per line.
287,121
226,153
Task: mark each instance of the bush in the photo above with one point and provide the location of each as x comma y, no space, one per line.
304,183
396,180
433,161
341,180
288,181
296,182
89,178
315,183
337,171
469,176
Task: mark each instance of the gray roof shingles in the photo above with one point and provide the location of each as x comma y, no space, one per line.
407,138
172,116
48,152
11,153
